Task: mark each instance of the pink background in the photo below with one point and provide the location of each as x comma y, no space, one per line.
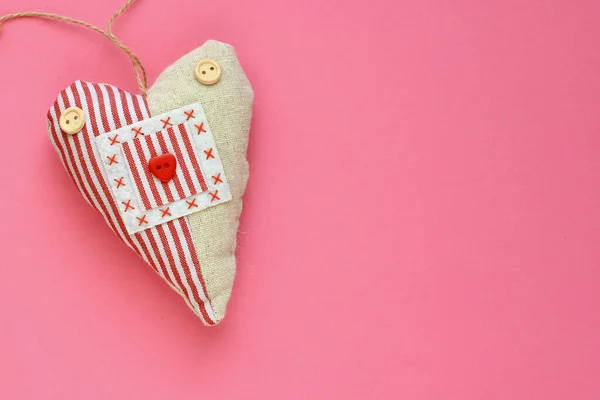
422,220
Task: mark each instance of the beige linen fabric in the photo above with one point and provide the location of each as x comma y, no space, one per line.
228,107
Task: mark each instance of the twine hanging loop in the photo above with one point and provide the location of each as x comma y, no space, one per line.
138,68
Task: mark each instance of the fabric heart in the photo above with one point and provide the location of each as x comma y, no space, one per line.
189,241
163,167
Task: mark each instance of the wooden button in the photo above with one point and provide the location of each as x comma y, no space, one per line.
72,120
208,72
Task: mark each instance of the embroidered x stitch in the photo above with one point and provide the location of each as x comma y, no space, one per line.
128,205
190,114
112,160
217,179
166,122
191,203
138,131
200,128
113,140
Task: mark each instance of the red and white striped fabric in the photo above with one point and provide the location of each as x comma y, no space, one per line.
167,247
188,179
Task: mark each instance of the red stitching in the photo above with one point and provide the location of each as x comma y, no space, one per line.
165,212
138,131
200,128
128,205
209,153
191,203
120,182
187,143
142,220
217,178
112,160
190,114
113,140
214,196
166,122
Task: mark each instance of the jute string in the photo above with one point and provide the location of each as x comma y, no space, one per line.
138,68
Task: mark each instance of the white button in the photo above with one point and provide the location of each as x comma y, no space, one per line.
72,120
208,72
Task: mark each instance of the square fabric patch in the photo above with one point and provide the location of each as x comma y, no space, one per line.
138,158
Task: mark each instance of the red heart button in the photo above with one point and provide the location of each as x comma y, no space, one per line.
163,167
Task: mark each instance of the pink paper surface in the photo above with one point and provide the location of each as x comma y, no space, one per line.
422,219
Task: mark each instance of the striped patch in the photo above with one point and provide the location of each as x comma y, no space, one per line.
188,179
168,248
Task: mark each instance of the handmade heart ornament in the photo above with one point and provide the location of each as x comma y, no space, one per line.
183,219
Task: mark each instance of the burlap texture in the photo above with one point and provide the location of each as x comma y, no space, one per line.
228,107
